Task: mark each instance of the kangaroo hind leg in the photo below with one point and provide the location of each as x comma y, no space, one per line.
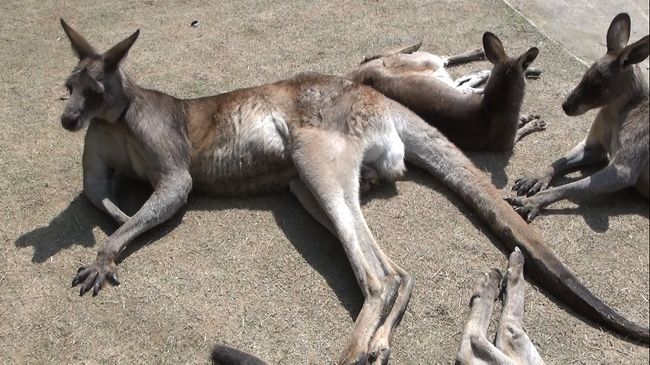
329,169
511,337
475,348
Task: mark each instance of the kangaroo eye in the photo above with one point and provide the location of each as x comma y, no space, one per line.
92,94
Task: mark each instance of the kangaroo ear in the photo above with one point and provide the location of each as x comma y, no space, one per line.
527,58
114,56
618,33
635,52
493,48
79,44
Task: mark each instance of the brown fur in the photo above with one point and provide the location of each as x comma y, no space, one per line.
473,121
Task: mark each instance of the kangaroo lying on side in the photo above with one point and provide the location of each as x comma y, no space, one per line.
615,84
310,133
487,120
512,345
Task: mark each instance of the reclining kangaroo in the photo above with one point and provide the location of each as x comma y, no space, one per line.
310,133
615,84
512,345
486,120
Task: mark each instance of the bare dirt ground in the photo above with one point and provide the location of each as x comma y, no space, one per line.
259,273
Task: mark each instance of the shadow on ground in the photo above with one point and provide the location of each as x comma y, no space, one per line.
75,224
494,163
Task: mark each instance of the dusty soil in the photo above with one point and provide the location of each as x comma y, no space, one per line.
259,273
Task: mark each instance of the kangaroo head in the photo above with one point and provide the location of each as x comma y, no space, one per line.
611,76
511,67
96,84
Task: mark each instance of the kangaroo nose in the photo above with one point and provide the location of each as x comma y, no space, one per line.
69,121
569,106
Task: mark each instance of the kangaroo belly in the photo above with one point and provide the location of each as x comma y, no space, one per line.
245,152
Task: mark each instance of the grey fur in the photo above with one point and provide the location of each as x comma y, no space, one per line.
618,135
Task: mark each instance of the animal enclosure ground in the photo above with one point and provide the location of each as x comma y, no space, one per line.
258,273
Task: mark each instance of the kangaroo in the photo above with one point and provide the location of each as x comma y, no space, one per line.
310,133
512,345
485,120
618,135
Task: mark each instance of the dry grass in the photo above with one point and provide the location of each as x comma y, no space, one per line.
259,273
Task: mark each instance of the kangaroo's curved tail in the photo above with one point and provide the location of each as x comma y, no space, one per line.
427,148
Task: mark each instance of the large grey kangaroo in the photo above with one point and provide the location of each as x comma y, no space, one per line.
618,135
310,133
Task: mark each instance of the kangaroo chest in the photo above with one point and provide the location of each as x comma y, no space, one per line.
608,127
120,151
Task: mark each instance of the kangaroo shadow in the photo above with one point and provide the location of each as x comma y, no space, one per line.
494,163
322,251
598,210
75,224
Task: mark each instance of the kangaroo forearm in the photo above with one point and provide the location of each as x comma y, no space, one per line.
580,156
605,181
161,206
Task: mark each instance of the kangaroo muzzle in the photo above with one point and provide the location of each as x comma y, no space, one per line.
70,121
571,107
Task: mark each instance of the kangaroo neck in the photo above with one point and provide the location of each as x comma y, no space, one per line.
635,91
504,93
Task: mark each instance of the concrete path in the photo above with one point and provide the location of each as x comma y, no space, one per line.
580,25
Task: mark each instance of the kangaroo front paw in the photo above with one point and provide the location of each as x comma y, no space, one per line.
528,118
530,186
94,276
526,207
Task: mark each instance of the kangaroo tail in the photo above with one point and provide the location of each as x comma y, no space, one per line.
224,355
427,148
406,50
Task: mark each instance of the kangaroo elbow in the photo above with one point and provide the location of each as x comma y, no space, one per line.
626,175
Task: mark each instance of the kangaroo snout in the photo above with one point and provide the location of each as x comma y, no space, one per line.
70,121
570,106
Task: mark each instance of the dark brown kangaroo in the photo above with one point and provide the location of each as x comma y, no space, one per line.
487,120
